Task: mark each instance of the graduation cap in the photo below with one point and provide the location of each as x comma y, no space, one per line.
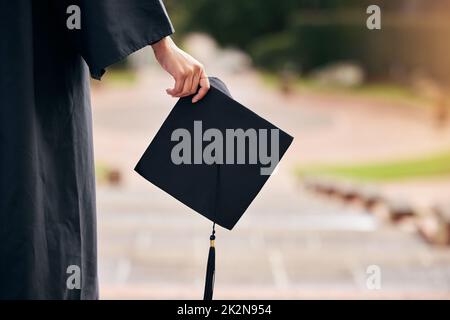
214,156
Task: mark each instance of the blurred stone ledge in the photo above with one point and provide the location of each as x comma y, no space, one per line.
432,222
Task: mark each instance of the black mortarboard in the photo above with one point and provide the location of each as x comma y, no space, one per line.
214,156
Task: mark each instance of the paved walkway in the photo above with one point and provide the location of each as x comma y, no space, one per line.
290,244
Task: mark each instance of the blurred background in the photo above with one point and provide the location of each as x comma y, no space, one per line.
359,206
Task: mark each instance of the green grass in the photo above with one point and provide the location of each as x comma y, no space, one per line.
101,172
428,166
120,77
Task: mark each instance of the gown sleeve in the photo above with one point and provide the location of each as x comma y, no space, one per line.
113,29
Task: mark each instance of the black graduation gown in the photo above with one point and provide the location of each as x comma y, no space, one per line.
47,187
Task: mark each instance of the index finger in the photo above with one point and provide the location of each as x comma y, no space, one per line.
178,87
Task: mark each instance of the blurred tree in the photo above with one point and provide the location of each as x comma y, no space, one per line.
305,34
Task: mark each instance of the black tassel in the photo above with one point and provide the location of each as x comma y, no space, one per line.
211,268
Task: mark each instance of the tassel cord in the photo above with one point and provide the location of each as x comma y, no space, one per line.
211,267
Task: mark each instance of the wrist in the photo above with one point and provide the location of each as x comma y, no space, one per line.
162,45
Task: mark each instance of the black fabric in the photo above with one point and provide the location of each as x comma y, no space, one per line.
112,29
220,192
47,188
